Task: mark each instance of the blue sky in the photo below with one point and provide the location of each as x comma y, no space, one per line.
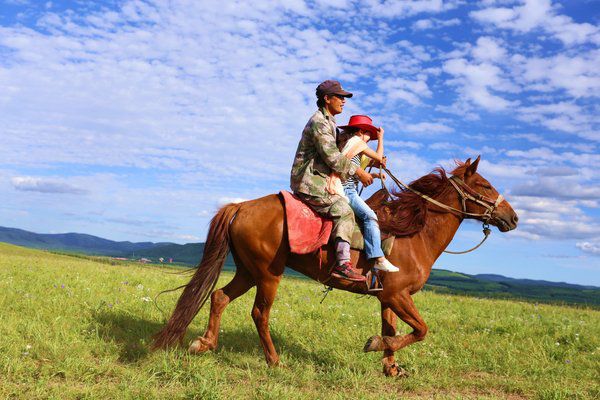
136,120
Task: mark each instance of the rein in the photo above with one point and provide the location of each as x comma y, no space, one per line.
464,192
458,184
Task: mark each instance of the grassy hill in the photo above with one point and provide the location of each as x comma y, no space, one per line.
78,328
497,286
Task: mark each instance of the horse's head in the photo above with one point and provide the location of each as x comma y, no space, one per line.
481,199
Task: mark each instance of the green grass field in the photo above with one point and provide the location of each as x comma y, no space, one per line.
78,328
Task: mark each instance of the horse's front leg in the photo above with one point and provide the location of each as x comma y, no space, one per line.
403,306
388,328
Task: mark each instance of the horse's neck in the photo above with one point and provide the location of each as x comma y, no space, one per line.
440,227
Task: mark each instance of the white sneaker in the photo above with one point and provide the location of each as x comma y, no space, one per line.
386,266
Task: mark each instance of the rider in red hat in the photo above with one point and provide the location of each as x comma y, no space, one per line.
353,143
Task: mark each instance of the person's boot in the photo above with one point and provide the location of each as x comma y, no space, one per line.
346,271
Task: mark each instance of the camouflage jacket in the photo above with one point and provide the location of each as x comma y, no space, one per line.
317,156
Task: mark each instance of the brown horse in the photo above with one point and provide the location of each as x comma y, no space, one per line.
255,232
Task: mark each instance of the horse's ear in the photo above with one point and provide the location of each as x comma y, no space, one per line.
472,168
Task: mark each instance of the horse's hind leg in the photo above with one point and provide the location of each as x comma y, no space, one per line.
265,295
241,282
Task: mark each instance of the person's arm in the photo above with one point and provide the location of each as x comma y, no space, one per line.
377,155
327,148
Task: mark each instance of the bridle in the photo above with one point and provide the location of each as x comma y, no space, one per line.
465,193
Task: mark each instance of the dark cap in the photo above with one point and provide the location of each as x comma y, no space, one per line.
331,87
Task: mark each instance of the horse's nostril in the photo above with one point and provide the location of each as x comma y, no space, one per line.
515,219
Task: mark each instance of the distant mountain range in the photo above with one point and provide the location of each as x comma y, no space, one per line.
484,285
189,253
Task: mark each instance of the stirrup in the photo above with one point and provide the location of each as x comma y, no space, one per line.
373,282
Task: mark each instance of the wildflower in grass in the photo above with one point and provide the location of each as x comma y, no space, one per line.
146,299
140,287
62,286
567,361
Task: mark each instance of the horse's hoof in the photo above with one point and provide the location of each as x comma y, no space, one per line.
395,370
198,346
375,343
275,363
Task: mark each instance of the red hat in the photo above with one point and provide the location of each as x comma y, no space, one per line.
362,122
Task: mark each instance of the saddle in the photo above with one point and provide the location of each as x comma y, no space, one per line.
308,231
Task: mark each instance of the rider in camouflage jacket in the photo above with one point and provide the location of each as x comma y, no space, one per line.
316,157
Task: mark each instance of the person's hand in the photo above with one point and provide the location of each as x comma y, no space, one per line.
364,177
378,175
380,133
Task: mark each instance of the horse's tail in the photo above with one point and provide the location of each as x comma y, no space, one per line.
203,282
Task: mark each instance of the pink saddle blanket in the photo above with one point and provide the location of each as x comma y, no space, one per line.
307,230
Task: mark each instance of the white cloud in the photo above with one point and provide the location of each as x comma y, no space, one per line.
542,15
503,169
406,8
590,247
539,139
560,189
444,146
488,49
577,75
562,116
477,81
43,185
410,91
407,166
227,200
403,144
428,128
189,238
542,153
553,218
434,23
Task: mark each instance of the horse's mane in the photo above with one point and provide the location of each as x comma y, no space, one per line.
406,213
